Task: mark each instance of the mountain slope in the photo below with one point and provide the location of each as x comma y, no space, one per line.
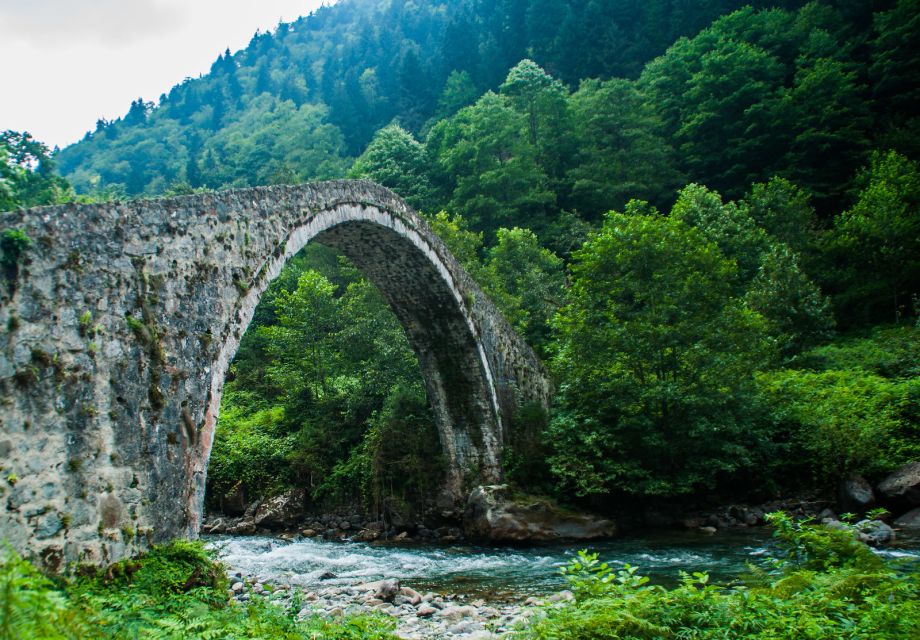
298,102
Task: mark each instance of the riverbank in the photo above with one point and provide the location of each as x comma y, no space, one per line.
417,615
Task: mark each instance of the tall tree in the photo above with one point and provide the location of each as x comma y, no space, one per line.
878,240
657,356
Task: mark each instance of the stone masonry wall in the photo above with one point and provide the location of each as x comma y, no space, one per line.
119,323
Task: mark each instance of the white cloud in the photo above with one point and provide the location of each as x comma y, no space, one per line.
66,63
115,23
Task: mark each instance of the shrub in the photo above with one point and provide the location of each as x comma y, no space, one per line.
829,586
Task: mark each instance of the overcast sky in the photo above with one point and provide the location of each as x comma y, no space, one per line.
66,63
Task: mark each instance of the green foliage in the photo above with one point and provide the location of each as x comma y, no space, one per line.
526,281
890,352
620,155
806,545
656,357
322,388
28,173
849,407
764,93
726,224
878,239
29,605
784,211
829,586
397,160
252,447
13,243
492,174
464,245
174,592
799,316
399,457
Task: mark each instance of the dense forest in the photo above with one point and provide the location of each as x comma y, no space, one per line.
705,220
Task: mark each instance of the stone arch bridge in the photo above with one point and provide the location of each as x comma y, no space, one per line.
119,320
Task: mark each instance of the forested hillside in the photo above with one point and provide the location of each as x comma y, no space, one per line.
299,101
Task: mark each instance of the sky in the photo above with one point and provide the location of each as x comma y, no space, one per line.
66,63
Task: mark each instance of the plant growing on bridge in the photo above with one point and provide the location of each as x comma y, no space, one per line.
13,244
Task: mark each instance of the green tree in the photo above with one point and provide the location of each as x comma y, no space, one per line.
656,358
542,100
491,173
459,91
783,210
798,314
28,175
894,69
619,154
879,238
300,342
529,282
397,160
725,223
831,122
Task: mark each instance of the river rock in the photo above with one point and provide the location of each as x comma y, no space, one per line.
244,527
903,486
218,525
493,514
458,612
855,495
281,511
425,611
874,532
413,596
382,589
910,520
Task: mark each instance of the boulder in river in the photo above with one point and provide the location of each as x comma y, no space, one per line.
282,511
874,532
903,486
910,520
855,495
495,514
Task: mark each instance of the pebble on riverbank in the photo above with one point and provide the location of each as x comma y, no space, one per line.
418,616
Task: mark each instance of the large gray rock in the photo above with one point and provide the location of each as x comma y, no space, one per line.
855,495
903,486
493,513
910,520
281,511
874,532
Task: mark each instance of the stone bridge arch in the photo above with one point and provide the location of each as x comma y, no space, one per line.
119,322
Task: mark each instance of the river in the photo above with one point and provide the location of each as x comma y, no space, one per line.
498,573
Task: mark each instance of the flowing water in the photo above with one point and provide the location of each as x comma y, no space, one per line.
502,572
